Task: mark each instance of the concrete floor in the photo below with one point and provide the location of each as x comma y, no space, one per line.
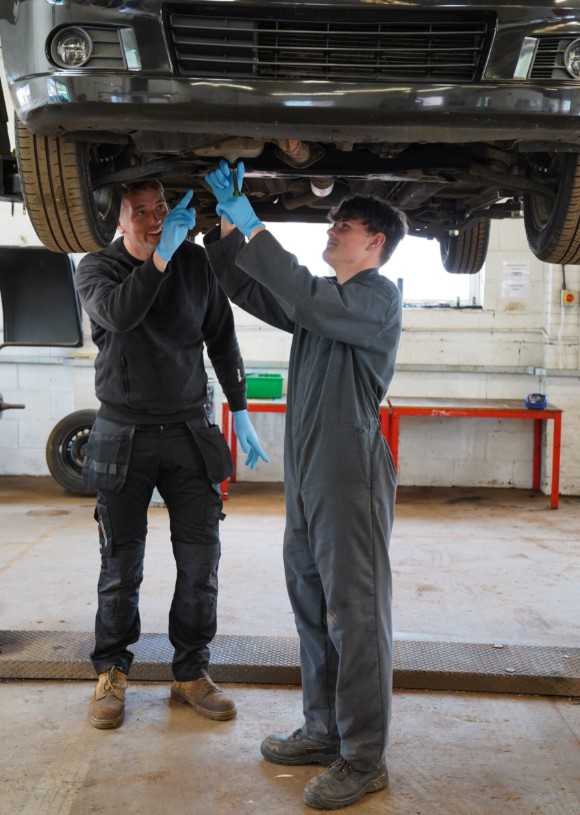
488,566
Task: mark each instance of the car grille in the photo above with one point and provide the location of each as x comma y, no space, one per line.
549,58
307,43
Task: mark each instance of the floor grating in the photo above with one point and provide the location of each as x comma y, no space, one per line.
419,665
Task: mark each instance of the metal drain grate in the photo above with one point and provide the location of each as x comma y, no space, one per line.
451,666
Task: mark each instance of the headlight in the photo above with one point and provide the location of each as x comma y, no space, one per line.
572,59
71,48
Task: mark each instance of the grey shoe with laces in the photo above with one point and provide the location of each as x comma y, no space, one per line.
340,785
298,749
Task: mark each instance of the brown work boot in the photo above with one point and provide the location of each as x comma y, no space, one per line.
107,708
205,698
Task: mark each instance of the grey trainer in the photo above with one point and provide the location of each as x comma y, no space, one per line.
340,785
107,707
298,749
205,698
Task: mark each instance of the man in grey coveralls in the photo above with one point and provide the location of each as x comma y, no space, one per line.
339,476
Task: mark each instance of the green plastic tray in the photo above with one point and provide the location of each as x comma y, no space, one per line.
264,386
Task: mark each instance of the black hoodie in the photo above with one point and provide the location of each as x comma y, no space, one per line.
150,329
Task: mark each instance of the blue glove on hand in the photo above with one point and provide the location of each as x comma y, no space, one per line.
238,211
248,438
176,226
233,206
221,181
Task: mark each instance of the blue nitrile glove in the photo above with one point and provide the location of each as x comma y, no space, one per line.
221,181
238,211
176,226
244,430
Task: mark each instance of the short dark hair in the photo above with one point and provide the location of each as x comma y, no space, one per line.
137,186
377,215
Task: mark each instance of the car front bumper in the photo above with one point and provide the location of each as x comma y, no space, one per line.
149,93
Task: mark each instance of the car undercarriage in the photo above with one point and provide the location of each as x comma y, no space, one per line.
458,116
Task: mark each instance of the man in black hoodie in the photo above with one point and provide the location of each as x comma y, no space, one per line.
154,303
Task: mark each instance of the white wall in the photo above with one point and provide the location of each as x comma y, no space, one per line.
455,353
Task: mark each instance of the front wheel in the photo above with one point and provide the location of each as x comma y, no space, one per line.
66,213
553,221
65,450
465,253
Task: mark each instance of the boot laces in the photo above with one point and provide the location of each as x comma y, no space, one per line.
209,685
340,767
112,684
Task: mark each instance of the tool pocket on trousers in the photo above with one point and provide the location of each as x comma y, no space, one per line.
214,450
214,509
105,528
107,456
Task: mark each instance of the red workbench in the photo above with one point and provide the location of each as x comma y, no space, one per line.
484,409
391,412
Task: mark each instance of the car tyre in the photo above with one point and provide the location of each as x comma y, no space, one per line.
67,215
553,225
465,253
65,450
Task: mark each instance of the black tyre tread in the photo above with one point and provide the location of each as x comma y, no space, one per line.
465,253
54,181
559,240
63,473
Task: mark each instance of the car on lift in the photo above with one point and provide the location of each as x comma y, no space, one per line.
457,113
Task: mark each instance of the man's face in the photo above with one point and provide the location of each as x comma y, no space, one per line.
348,245
141,221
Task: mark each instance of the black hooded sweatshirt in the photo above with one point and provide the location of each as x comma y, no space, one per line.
150,329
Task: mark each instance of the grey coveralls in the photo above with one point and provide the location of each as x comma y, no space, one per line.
339,480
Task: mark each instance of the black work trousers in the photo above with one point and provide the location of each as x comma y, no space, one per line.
165,456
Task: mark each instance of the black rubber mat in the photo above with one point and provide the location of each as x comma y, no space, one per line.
419,665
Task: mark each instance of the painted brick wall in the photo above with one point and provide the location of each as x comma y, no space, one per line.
452,353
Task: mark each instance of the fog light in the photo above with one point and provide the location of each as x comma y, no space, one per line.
71,48
572,59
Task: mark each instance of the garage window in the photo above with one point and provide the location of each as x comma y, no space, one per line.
415,267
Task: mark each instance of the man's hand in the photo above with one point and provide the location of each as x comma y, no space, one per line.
222,182
175,227
248,438
232,206
238,211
